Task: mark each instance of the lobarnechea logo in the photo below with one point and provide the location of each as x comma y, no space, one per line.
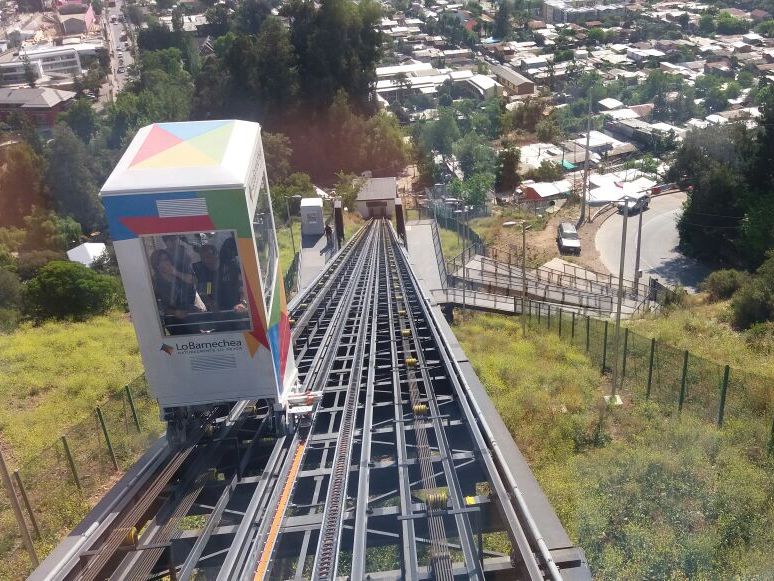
168,349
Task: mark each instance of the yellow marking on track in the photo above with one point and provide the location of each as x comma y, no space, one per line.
263,563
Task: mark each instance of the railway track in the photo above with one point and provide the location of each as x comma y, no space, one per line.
394,475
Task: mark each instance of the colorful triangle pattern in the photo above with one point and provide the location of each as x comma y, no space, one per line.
177,145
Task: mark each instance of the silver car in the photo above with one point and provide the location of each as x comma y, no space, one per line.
567,239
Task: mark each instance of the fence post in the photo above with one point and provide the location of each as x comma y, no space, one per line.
625,348
604,347
723,391
17,512
650,367
549,316
540,309
107,438
134,409
27,505
588,333
572,329
71,462
560,323
682,382
771,439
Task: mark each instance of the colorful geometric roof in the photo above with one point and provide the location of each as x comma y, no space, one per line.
178,145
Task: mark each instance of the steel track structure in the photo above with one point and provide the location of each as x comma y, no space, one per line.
182,515
397,476
395,479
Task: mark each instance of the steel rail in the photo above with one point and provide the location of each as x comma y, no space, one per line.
410,298
491,452
326,563
321,364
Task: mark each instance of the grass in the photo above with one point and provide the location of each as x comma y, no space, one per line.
703,329
54,375
644,494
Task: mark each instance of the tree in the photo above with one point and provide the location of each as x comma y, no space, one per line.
442,133
548,171
21,183
275,80
70,181
727,24
474,189
706,24
296,184
277,151
347,188
44,230
547,130
250,15
219,19
10,289
474,156
596,36
508,169
82,119
502,23
96,5
69,290
337,47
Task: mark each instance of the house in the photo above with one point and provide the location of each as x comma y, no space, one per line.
759,15
41,105
514,83
609,104
376,199
537,191
75,18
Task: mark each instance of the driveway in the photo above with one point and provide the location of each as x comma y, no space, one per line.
659,256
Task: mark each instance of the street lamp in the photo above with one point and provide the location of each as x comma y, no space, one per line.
614,399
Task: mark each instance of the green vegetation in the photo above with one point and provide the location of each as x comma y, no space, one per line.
70,290
646,494
54,374
728,218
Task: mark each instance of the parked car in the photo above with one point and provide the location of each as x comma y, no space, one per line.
567,239
121,70
639,205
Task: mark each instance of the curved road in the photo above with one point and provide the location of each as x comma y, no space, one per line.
659,256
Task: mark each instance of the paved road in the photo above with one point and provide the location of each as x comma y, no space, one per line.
659,256
120,55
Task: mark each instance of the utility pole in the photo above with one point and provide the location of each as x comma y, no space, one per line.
637,259
614,399
586,166
523,279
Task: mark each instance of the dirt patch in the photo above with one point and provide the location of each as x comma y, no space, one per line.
541,238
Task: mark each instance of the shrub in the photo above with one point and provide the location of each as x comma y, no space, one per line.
68,290
722,284
751,304
760,338
10,289
30,263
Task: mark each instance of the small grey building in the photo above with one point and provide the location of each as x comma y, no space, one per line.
376,199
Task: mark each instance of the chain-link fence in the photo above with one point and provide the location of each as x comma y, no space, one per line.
679,381
59,485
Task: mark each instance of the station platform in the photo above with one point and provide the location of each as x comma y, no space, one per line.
315,252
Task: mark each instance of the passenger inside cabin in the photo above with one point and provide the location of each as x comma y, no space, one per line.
219,279
175,294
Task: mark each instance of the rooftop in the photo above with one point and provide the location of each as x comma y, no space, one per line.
379,189
37,98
